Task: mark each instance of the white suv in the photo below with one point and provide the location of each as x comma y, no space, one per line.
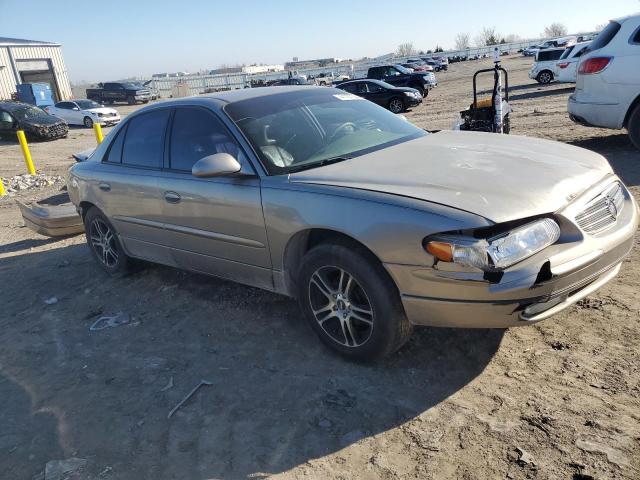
566,69
608,83
542,68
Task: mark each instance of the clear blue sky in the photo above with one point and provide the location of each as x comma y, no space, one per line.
112,39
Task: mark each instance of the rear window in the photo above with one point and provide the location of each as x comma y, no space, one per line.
548,55
605,36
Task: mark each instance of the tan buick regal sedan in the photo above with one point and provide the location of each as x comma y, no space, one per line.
373,224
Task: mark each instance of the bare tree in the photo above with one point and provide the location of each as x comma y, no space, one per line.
512,37
405,49
556,29
600,27
487,36
463,41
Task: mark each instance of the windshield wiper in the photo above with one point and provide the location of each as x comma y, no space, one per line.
321,163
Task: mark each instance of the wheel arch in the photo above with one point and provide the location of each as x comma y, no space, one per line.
303,241
84,208
630,110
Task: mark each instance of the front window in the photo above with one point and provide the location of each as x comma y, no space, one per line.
306,129
87,104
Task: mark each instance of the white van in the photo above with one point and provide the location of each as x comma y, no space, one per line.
608,83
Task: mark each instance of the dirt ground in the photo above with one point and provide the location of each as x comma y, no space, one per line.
558,400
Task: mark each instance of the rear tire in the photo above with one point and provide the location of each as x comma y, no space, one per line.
104,243
396,105
633,126
131,100
545,77
351,302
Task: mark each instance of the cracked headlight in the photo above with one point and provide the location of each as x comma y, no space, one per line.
498,252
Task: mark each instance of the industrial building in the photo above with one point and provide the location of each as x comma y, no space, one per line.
31,61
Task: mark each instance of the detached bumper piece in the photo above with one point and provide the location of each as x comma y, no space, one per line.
52,217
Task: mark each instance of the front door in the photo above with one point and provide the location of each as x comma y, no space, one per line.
214,225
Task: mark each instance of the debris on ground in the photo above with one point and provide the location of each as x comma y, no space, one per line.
106,321
51,300
27,181
188,396
558,345
68,469
524,457
168,385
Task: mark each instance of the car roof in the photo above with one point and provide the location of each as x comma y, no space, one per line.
628,17
238,95
364,80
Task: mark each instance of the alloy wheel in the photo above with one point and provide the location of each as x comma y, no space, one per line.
88,122
396,105
545,77
103,242
341,306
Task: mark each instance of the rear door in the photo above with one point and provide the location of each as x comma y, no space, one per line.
214,225
128,190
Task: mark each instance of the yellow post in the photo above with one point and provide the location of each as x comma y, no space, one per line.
25,151
98,129
2,190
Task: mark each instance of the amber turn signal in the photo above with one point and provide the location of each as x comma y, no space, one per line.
441,250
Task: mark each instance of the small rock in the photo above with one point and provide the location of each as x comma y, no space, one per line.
51,300
524,457
558,345
324,423
69,469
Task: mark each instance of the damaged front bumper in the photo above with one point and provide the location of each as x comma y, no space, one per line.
535,289
52,217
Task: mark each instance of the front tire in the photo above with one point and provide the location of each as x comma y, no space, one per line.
351,302
633,126
104,243
396,105
88,122
545,77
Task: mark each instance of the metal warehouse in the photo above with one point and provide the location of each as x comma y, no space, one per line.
31,61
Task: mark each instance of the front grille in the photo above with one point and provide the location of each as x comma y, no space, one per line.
602,211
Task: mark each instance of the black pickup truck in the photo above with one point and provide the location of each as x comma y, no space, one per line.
399,76
111,92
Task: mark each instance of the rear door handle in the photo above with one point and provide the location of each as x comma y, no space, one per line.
105,187
172,197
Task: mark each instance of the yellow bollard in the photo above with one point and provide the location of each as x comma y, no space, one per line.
98,129
2,190
25,151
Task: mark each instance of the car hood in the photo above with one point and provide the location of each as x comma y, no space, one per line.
103,110
500,177
42,121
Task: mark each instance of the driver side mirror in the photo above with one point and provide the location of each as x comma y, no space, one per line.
216,165
76,109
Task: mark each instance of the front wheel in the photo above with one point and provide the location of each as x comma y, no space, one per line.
351,302
545,77
88,122
633,126
396,105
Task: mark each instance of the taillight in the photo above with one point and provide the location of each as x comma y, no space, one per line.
594,65
563,64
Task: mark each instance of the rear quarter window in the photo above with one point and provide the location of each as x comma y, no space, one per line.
605,36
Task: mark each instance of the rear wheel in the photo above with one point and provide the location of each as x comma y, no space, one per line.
351,303
396,105
633,126
88,122
545,77
104,243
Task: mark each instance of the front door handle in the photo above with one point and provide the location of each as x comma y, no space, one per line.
105,187
172,197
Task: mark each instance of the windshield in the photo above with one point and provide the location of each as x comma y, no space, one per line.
402,69
87,104
27,112
298,130
131,85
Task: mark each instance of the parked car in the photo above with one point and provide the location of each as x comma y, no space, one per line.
84,112
396,99
154,92
112,92
418,66
608,82
566,67
542,68
531,51
435,64
372,223
399,76
35,122
290,81
327,79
